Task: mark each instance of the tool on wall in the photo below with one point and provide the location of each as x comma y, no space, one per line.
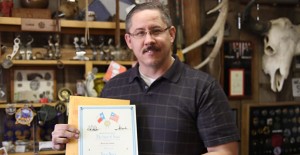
7,63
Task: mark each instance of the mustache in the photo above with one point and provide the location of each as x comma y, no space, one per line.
150,48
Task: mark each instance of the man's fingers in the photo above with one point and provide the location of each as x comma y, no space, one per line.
65,134
62,134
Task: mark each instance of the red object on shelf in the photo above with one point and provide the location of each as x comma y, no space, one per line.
6,8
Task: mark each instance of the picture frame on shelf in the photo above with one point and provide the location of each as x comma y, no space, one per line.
237,60
33,85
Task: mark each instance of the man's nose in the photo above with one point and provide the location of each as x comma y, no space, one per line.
149,38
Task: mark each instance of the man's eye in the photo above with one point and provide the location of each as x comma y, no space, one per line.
156,31
141,33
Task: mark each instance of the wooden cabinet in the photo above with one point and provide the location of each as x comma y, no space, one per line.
67,72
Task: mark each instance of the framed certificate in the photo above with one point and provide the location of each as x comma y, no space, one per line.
237,58
74,118
107,130
236,82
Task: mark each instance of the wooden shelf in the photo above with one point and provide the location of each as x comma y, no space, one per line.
65,62
13,24
67,23
40,152
90,24
20,105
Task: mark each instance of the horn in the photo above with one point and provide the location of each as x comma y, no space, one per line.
252,25
217,29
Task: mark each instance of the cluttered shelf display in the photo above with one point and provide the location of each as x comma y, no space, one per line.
271,129
46,56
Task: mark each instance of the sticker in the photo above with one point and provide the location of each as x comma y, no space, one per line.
24,116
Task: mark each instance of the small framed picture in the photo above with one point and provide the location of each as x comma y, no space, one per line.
236,82
237,73
36,85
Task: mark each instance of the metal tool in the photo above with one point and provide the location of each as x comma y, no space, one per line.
29,49
16,47
7,63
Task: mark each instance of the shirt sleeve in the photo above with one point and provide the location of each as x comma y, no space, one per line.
215,118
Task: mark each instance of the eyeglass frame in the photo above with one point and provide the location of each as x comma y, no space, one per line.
134,35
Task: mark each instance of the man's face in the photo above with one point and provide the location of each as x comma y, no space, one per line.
154,48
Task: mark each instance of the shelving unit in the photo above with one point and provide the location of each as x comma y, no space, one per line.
71,67
41,152
13,24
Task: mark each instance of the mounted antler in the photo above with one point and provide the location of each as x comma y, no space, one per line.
216,30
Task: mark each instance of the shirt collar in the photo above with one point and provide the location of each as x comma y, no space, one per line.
173,74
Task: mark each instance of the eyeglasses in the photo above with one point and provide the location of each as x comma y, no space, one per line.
139,34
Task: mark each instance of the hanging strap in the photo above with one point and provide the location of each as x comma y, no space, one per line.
87,31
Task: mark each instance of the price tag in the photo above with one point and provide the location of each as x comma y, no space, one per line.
296,87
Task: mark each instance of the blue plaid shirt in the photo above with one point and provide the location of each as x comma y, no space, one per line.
181,113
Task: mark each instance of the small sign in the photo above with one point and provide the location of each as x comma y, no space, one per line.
296,87
113,69
42,25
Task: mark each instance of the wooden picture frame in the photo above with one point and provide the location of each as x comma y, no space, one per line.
237,58
270,127
33,85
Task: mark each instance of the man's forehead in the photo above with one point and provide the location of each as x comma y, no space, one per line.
146,19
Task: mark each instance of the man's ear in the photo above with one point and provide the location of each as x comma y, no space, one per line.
128,40
172,32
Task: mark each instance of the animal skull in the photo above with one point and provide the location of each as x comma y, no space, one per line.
281,44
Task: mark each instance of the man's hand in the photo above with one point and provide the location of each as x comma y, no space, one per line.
225,149
62,134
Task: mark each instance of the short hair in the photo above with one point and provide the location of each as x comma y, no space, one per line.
164,11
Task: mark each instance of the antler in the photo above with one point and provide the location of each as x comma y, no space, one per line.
217,29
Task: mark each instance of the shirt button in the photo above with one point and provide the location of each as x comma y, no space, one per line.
146,87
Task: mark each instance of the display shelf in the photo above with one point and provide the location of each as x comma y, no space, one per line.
270,123
69,71
13,24
67,23
20,105
40,152
64,62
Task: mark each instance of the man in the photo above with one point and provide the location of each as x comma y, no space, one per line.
180,111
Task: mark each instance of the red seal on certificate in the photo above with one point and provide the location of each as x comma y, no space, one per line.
24,116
